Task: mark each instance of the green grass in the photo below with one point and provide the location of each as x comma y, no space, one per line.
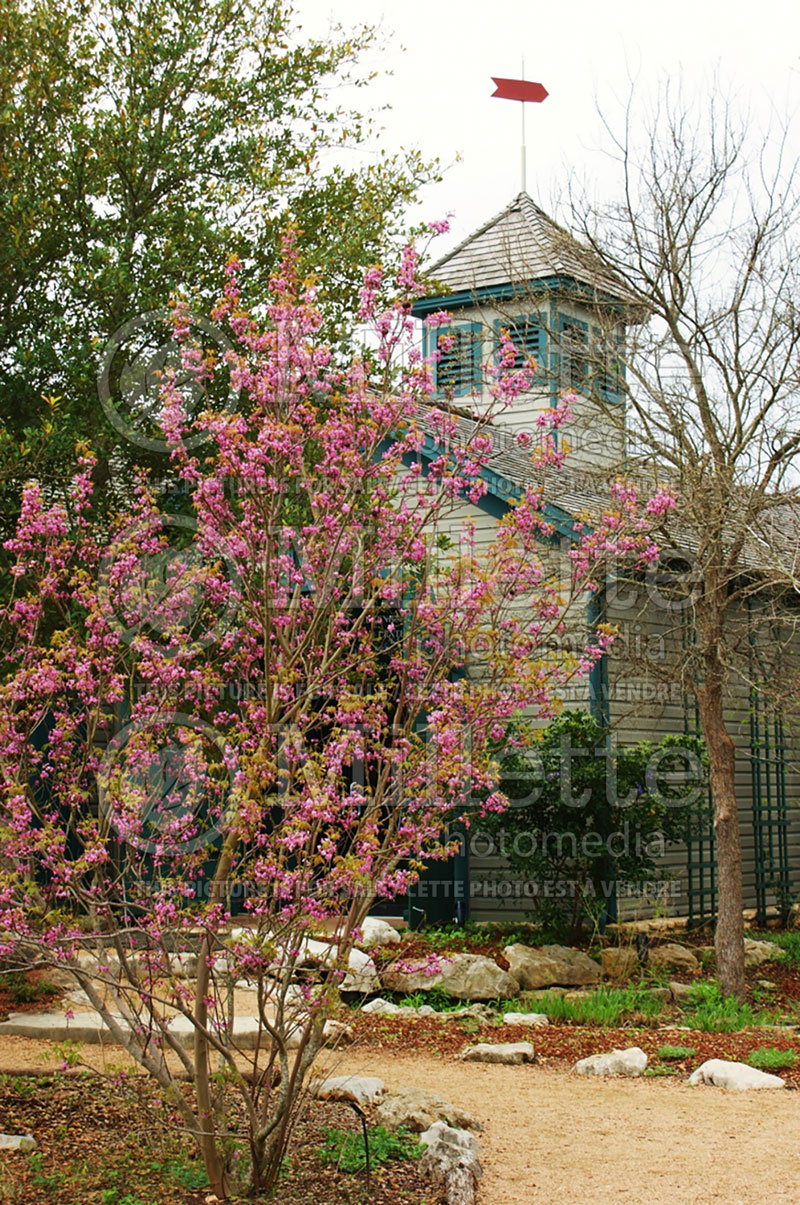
607,1006
435,998
22,991
769,1058
707,1009
675,1052
345,1148
789,943
465,937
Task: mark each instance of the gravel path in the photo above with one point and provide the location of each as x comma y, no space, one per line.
550,1136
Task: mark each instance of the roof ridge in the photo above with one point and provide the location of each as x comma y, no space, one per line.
523,236
481,230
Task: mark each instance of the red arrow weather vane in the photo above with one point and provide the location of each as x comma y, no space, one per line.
524,90
518,89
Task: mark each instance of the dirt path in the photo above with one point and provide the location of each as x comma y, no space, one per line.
550,1136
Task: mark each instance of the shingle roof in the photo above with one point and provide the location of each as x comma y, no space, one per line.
520,245
772,548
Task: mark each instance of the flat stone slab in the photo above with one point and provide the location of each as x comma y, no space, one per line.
363,1089
90,1028
417,1109
615,1062
539,1020
513,1053
737,1077
17,1142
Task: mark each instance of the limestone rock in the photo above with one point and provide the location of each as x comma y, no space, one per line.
336,1033
672,957
679,991
514,1053
17,1142
464,976
417,1109
549,965
537,1019
378,932
738,1077
756,952
620,963
616,1062
363,1089
361,975
451,1162
382,1007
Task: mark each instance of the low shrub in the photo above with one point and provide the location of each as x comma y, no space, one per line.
707,1009
345,1148
675,1052
607,1007
769,1058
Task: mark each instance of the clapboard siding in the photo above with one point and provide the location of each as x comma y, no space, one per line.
647,700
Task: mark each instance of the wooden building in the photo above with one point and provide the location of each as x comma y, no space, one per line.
522,272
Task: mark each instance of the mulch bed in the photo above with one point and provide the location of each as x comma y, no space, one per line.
91,1139
560,1045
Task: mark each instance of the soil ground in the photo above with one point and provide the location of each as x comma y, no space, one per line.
552,1136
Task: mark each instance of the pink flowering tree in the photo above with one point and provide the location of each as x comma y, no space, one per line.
225,731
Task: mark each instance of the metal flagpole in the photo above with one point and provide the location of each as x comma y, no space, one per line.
522,90
524,164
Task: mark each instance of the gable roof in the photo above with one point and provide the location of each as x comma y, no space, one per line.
518,246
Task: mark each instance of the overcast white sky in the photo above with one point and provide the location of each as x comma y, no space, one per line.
585,52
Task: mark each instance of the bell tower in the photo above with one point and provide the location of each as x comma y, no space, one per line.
523,273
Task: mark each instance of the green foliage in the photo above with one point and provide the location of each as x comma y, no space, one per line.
584,811
789,942
675,1052
706,1008
769,1058
141,143
23,990
470,935
436,998
607,1007
345,1148
187,1174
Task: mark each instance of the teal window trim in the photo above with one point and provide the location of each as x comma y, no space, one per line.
608,379
574,374
466,360
532,339
564,286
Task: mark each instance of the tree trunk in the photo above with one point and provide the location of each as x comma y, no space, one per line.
729,935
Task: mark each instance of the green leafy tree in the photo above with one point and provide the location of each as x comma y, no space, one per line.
587,813
141,143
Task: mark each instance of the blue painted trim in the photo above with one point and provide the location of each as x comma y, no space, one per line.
502,492
546,285
519,323
599,707
430,339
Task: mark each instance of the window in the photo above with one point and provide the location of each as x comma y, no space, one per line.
574,356
527,335
608,370
458,370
